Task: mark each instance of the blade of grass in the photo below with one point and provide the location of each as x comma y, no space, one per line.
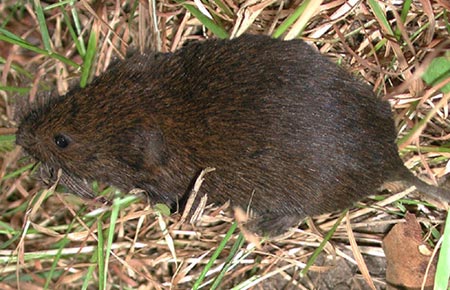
102,264
215,28
322,244
89,57
224,8
11,38
18,172
423,27
11,14
79,44
14,89
18,68
417,129
14,211
162,210
380,15
7,142
90,272
403,15
133,13
405,9
310,10
427,149
58,4
201,7
7,230
214,256
441,280
237,245
11,35
77,23
42,25
58,256
290,20
104,261
446,20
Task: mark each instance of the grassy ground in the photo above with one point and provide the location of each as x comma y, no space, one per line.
54,241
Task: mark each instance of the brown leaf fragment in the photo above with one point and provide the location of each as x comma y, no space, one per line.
406,261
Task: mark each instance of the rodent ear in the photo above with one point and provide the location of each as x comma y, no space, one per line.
23,107
154,146
148,148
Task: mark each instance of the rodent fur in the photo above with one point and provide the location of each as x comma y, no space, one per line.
285,128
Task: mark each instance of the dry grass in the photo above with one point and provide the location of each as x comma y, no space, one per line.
57,242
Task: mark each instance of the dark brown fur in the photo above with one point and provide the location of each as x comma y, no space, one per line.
286,130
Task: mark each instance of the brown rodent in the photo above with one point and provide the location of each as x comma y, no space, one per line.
289,132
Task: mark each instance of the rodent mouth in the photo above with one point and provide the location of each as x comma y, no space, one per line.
26,142
49,176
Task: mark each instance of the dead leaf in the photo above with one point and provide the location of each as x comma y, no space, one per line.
406,263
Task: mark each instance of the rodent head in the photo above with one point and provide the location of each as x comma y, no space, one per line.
53,134
94,133
48,133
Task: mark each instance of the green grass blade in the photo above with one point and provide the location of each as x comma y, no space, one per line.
441,280
61,4
446,21
214,256
210,24
42,25
290,20
237,245
405,10
11,38
319,249
7,142
14,89
62,244
18,172
78,26
425,26
7,231
18,68
404,14
224,7
89,58
422,123
103,264
102,268
90,272
13,11
379,14
427,149
13,211
79,44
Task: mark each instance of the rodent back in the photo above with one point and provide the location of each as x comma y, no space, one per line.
275,118
280,109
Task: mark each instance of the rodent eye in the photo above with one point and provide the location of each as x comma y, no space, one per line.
61,140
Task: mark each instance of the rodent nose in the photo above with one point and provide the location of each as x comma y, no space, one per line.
19,137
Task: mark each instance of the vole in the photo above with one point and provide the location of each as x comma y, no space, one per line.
290,133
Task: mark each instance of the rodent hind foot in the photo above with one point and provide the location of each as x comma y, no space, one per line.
272,224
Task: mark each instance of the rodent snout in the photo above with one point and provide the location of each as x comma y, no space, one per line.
19,137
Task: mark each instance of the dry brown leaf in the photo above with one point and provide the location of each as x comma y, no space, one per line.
406,265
